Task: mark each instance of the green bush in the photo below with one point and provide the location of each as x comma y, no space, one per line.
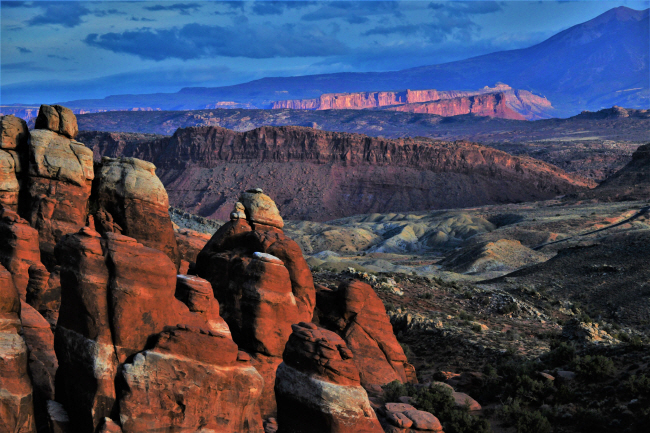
525,421
593,367
639,385
465,316
560,354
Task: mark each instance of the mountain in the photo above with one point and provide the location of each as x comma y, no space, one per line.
320,175
593,65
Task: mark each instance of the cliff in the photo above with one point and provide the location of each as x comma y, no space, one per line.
319,175
491,104
517,104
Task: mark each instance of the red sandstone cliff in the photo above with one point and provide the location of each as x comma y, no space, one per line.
517,104
490,104
319,175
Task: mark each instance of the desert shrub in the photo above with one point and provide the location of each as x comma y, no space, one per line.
592,421
639,385
427,295
407,351
524,420
465,316
561,354
438,401
593,367
476,328
511,307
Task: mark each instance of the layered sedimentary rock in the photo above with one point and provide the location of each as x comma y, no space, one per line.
319,175
516,104
318,388
355,312
126,189
262,282
16,396
12,159
59,183
490,104
117,297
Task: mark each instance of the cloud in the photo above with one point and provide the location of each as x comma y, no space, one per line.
278,7
142,19
103,13
66,14
54,56
345,9
16,4
23,50
182,8
194,41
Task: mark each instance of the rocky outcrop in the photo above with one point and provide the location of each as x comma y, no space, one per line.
318,388
16,395
631,182
262,282
512,103
490,104
58,119
125,190
319,175
12,150
59,183
119,296
355,312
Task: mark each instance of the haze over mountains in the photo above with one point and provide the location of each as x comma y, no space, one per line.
594,65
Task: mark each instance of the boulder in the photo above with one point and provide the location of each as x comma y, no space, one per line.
190,243
191,380
16,395
58,188
13,131
317,387
259,208
129,194
355,312
463,399
404,418
9,185
58,119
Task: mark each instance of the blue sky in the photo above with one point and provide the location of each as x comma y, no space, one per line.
58,51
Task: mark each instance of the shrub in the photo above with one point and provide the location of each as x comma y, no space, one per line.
465,316
639,385
525,421
560,354
593,367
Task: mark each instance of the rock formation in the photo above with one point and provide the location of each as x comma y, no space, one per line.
355,312
16,396
262,282
317,386
12,159
489,104
404,418
125,190
319,175
119,298
632,182
516,104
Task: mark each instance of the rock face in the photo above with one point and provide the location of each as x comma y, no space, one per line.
404,418
516,104
59,183
16,397
117,297
355,312
12,151
317,386
262,282
631,182
328,175
490,104
126,189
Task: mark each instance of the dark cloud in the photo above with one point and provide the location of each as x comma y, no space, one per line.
194,41
23,50
66,14
54,56
142,19
356,19
182,8
103,13
16,4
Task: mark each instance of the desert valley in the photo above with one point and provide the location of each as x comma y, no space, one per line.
461,248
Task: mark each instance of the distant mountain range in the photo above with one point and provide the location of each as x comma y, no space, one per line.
593,65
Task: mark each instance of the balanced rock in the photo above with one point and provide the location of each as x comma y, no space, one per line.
356,313
317,386
259,208
130,195
263,285
58,119
16,395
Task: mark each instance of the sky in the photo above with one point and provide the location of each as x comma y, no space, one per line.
55,51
